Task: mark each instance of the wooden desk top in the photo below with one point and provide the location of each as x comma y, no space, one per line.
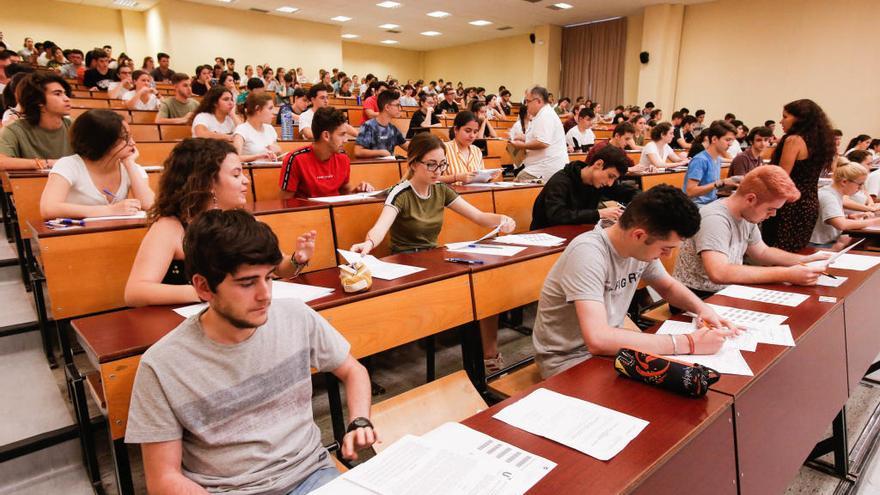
674,421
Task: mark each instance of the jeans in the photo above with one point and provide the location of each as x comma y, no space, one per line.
315,480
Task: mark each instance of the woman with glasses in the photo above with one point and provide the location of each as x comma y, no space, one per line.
97,180
413,212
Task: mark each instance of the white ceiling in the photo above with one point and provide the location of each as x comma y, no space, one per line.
520,15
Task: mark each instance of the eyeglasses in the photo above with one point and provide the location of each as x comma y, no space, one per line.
436,166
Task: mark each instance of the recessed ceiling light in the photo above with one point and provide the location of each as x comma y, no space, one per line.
389,42
225,1
389,26
431,33
287,10
125,3
480,23
388,5
439,14
350,36
340,18
562,5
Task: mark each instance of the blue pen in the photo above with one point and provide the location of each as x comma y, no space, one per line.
462,260
484,246
112,196
66,221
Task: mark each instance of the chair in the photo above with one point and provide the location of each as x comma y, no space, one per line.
420,410
145,132
143,116
174,132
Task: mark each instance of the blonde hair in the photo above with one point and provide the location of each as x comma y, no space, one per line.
850,171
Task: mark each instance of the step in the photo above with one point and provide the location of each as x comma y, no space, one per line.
18,304
57,469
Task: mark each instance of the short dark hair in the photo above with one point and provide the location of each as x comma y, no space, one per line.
107,46
32,93
677,115
649,104
685,111
313,91
688,119
178,77
729,116
587,112
98,53
326,119
659,130
161,55
385,98
837,132
218,242
7,54
229,60
504,92
762,131
768,123
719,128
255,83
700,112
565,98
612,156
299,93
661,210
623,128
95,132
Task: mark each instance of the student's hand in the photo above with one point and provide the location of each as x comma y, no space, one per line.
570,148
363,248
269,156
364,187
730,183
125,207
466,178
709,340
356,440
385,153
612,213
305,247
803,274
709,318
508,224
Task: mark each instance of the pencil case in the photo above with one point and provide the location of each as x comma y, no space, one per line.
355,278
692,380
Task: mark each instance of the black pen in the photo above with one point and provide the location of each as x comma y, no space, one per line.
462,260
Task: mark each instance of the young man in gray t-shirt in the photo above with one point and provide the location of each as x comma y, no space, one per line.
713,258
585,297
223,402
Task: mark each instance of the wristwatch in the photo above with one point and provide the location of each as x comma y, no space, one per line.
359,422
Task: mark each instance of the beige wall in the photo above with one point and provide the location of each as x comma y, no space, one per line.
750,57
632,66
504,61
661,38
547,53
360,59
67,24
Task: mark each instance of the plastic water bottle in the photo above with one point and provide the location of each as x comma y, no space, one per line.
359,99
286,123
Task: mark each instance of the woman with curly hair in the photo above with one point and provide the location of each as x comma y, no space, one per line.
200,174
805,151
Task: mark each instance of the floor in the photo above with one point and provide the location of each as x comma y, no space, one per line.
42,405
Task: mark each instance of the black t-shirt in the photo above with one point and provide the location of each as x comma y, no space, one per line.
618,118
159,76
418,120
676,135
505,107
448,107
199,88
94,79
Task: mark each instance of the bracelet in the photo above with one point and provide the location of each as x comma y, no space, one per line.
298,267
674,347
691,345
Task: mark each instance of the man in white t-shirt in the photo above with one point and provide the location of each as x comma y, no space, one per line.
580,137
544,141
319,97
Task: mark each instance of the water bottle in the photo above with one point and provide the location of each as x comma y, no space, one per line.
286,123
359,99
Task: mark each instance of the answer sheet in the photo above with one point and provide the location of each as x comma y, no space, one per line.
347,197
790,299
486,175
743,341
774,335
280,290
747,318
378,268
728,361
589,428
826,281
487,249
857,262
540,240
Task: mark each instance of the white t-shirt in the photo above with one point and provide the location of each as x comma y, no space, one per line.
256,142
575,138
305,120
151,104
830,206
872,185
546,128
651,148
734,149
82,189
210,121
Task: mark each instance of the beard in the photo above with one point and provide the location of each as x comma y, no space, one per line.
237,321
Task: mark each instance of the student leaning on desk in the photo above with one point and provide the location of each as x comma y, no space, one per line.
413,212
585,297
201,174
223,402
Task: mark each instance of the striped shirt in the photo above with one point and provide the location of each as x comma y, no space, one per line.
458,164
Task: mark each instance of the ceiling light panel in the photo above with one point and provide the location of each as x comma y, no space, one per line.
479,23
438,14
340,18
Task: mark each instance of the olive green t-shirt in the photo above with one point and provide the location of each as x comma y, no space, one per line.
22,140
170,108
419,219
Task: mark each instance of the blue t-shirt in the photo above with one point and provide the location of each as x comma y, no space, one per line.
705,170
379,137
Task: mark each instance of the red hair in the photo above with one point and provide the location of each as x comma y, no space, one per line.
769,182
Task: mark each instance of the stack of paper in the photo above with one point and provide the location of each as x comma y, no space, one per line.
348,197
486,175
541,240
728,360
380,269
280,290
452,459
589,428
747,318
133,216
790,299
742,342
266,162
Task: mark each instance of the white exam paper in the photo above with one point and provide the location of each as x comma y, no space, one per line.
378,268
541,240
728,361
486,175
589,428
192,309
790,299
139,214
857,262
747,318
742,342
826,281
487,249
347,197
774,335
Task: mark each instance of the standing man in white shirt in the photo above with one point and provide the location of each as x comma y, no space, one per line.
544,141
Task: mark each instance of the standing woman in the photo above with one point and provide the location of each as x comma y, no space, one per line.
805,151
97,180
464,159
413,212
200,174
255,138
215,118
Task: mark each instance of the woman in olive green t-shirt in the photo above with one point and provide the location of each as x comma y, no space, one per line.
413,212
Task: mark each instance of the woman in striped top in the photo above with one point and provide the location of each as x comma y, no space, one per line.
464,159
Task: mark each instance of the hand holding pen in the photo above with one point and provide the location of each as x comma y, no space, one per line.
122,207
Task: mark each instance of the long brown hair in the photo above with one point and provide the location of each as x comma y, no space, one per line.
190,171
813,126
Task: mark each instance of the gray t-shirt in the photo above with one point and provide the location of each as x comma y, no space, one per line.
243,411
589,270
170,108
830,206
720,232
